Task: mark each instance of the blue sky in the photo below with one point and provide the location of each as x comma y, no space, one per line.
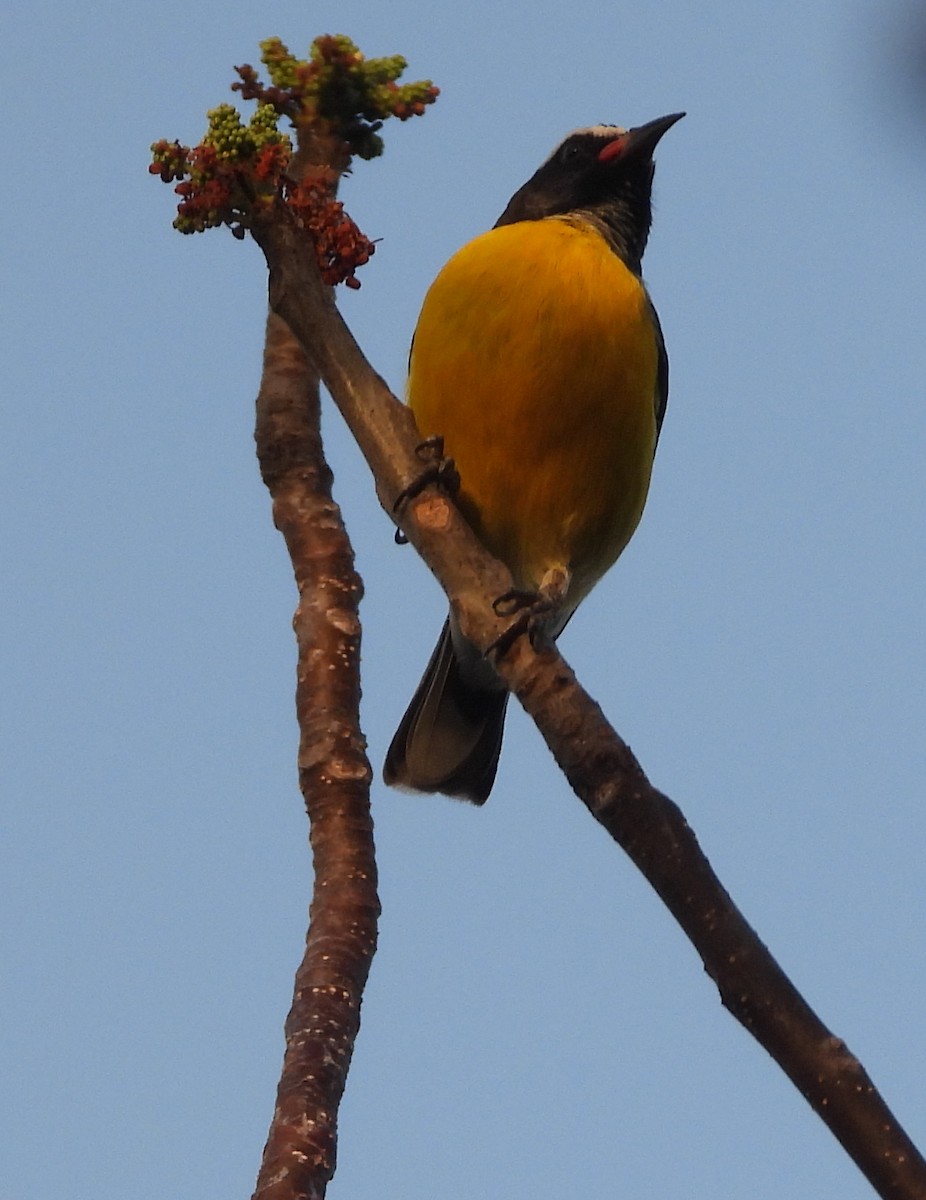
535,1024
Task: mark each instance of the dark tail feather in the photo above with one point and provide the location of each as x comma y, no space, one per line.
451,735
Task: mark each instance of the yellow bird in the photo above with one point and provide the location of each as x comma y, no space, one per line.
539,360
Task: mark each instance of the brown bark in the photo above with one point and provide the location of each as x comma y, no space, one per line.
598,764
334,775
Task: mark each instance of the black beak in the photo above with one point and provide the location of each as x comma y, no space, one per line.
639,142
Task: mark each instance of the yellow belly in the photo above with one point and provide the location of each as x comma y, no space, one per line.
535,358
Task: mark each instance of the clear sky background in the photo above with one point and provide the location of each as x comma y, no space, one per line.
535,1024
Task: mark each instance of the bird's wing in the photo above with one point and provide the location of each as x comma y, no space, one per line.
661,397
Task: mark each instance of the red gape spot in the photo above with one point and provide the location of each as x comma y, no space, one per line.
612,150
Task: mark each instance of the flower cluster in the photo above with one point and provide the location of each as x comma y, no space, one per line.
340,247
336,98
234,171
350,94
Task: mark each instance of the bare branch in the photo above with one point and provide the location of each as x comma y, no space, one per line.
334,775
598,764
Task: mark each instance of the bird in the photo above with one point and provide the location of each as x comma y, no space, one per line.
538,361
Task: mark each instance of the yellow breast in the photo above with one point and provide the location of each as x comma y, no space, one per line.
535,358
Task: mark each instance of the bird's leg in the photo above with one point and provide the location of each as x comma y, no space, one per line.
437,469
531,610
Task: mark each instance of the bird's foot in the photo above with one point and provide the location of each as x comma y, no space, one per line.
530,611
437,469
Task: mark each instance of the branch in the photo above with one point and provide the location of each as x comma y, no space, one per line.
598,764
334,775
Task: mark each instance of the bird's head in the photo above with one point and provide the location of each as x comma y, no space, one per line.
605,172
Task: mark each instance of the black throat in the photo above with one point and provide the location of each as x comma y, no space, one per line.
616,200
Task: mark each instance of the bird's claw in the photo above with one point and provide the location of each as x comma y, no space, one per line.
437,469
529,611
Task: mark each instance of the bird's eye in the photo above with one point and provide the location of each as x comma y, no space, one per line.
570,152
